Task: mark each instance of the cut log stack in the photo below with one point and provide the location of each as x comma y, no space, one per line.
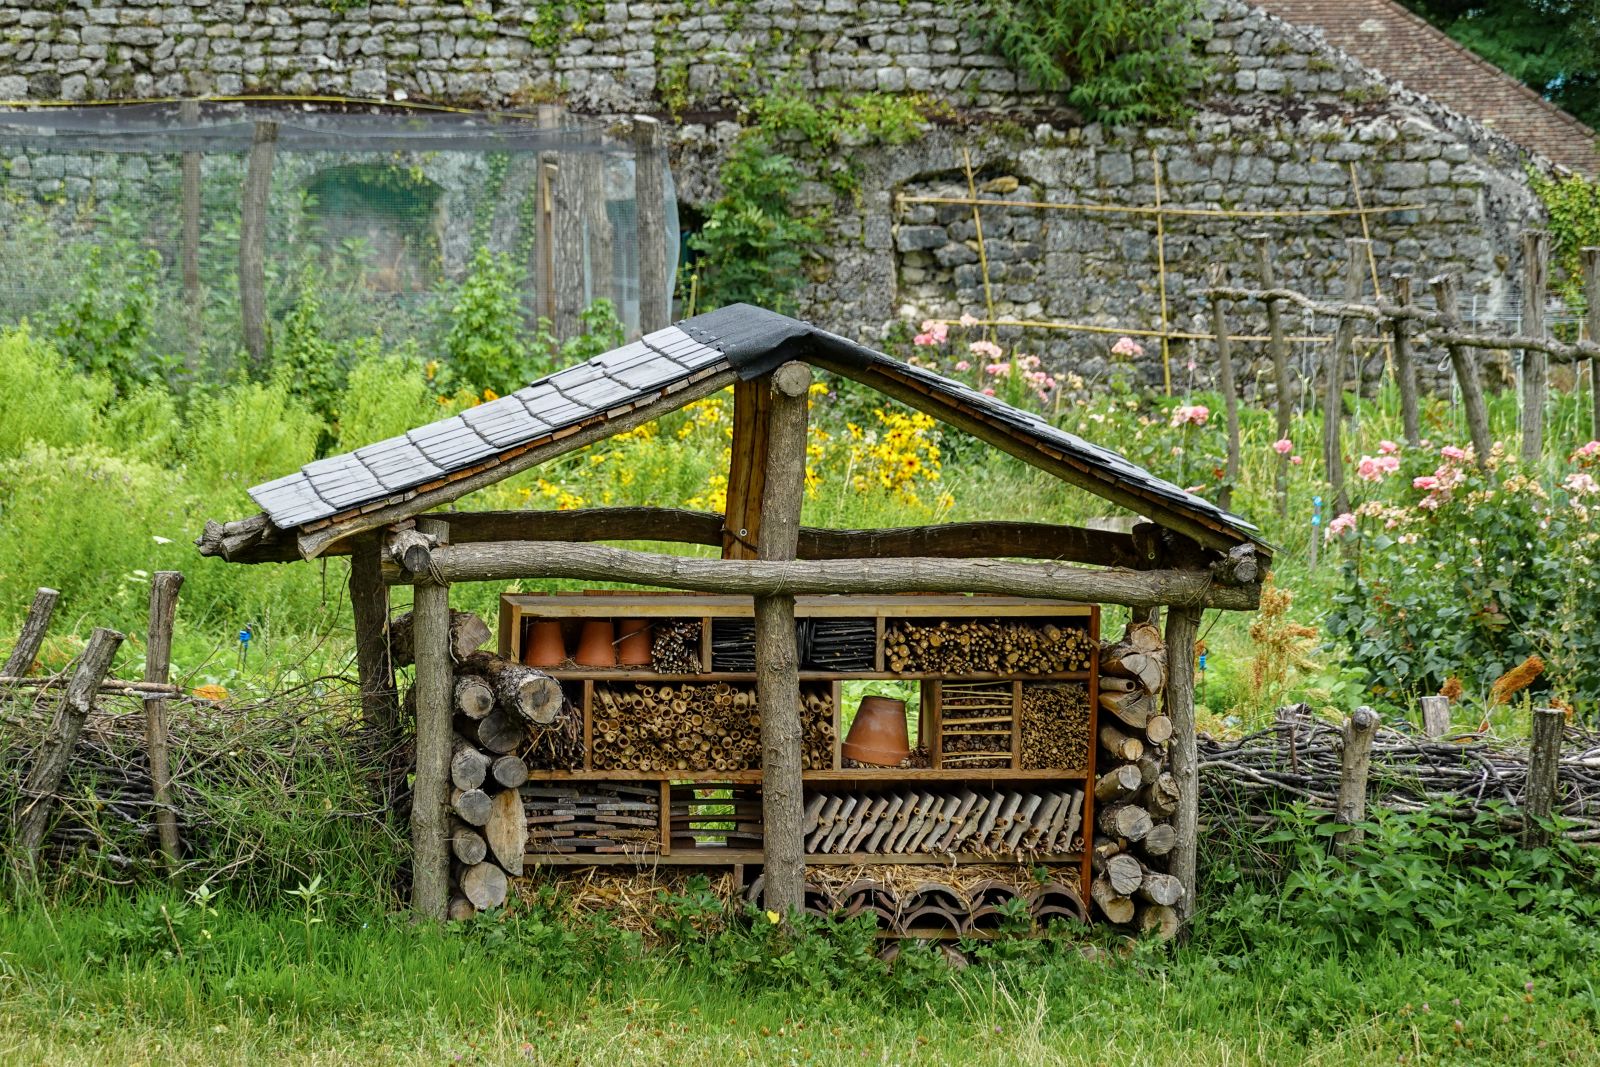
707,726
1136,796
499,707
986,646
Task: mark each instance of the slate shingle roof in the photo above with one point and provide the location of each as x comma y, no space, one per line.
1398,44
747,339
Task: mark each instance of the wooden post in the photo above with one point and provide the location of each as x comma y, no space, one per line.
1535,364
26,650
1183,628
1230,400
1333,387
430,794
1544,767
189,256
157,666
571,267
599,260
777,666
1590,257
650,208
1280,366
1161,275
1354,763
1435,716
253,242
1466,368
1405,367
33,822
747,469
369,604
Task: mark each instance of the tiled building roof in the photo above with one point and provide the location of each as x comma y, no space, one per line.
1404,47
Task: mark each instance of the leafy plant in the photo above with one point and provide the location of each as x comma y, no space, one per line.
103,328
1572,202
484,348
1119,61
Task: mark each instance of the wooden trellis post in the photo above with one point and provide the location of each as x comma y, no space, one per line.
430,793
1535,363
1465,363
1333,395
1183,628
26,650
253,241
1230,399
157,665
649,198
189,257
1544,766
777,660
1590,257
1354,765
1280,366
1405,368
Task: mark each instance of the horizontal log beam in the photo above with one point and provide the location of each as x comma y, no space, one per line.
961,540
507,561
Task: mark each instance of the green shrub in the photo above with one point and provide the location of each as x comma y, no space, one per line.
386,395
44,401
246,435
143,424
104,327
484,348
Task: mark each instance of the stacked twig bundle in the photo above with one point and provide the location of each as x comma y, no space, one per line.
1135,796
696,727
839,644
976,723
980,646
944,820
1055,725
559,746
1298,758
676,647
603,818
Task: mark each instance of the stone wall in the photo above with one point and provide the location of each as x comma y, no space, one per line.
1283,121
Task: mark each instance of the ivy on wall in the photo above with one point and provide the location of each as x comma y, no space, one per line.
1118,61
1573,204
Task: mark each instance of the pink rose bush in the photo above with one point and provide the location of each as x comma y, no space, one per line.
1190,415
933,332
1127,347
1283,446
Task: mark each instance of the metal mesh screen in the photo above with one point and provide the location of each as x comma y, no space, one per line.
379,215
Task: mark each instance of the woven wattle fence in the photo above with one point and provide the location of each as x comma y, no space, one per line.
1298,759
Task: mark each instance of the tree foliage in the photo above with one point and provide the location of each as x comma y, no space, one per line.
1118,61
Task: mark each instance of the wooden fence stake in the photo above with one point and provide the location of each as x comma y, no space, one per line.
1354,764
1183,628
1465,363
1435,716
189,255
26,650
1333,395
1161,276
1535,364
1230,399
1404,366
777,667
1544,767
56,752
1590,257
649,197
253,241
1280,366
157,666
430,794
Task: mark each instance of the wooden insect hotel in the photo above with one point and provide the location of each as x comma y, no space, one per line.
708,724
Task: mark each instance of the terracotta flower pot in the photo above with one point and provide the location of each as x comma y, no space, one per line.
878,735
595,648
633,643
545,647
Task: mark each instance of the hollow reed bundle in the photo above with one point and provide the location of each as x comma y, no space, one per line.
978,646
712,726
1055,725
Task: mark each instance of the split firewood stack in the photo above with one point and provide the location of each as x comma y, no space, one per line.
499,707
1136,796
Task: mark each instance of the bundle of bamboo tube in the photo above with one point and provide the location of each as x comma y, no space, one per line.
975,646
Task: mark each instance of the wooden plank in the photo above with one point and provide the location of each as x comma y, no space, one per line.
431,790
727,605
716,855
853,774
1183,627
164,586
369,603
747,469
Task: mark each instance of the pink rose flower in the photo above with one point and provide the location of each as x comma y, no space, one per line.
998,370
1283,446
1127,346
968,319
1197,414
989,391
1426,481
1388,464
987,349
1580,482
1340,525
1388,448
1296,460
962,364
1451,452
1587,450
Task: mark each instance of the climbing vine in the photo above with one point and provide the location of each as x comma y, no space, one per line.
1118,61
1573,204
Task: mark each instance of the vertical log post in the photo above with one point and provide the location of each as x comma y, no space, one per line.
39,792
430,793
1544,765
544,226
1280,366
1590,257
1535,364
1435,716
189,256
1183,628
1230,399
571,267
650,204
157,666
26,650
777,660
1404,366
752,415
253,242
1333,394
599,259
369,606
1465,363
1354,764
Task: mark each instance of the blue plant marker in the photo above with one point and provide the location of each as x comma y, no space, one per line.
244,646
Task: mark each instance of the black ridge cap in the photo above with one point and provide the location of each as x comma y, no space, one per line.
757,341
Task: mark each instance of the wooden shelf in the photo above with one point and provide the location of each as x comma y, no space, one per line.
604,674
676,605
712,856
857,775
